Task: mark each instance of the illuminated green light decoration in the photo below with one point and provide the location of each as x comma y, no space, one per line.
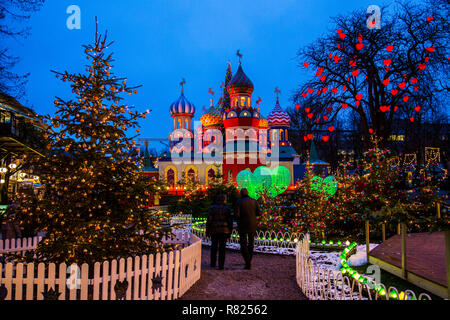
274,181
328,185
244,179
262,180
281,179
200,226
346,269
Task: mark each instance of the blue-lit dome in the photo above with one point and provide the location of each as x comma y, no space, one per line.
182,106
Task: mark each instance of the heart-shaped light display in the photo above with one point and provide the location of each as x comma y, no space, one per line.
263,179
328,185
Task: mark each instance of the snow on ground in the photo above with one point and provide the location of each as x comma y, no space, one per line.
360,257
326,259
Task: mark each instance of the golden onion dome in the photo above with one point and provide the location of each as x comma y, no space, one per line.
213,117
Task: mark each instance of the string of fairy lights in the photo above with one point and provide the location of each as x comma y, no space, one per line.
199,225
346,269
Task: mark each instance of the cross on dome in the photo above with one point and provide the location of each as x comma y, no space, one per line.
239,54
212,95
277,91
183,81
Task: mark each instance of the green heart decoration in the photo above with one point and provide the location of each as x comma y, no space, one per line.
328,185
274,181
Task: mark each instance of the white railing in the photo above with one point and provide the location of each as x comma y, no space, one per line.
165,276
320,283
18,246
283,240
262,238
182,221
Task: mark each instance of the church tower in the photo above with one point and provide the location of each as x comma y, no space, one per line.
241,124
182,111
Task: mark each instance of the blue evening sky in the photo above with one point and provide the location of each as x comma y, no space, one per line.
157,42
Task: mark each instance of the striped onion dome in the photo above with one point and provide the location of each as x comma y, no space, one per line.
278,117
182,106
213,117
263,123
240,83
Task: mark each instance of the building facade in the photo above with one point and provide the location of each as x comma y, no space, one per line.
231,138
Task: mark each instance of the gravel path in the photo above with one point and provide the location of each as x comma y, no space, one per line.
272,277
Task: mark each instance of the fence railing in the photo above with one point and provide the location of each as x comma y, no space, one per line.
18,246
320,283
165,276
287,240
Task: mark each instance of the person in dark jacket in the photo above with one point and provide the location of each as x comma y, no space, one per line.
10,228
247,209
219,226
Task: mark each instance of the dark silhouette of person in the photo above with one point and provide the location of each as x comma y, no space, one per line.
219,226
247,209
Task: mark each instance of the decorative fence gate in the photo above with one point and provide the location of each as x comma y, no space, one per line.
165,276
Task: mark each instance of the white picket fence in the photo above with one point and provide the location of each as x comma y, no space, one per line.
320,283
18,246
165,276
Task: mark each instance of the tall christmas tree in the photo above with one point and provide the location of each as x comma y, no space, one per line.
93,204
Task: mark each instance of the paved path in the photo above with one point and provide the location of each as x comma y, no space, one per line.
272,277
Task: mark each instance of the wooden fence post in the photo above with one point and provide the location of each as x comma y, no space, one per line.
367,240
447,256
438,209
403,239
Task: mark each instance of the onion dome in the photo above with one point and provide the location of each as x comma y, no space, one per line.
182,106
263,123
278,117
213,117
240,83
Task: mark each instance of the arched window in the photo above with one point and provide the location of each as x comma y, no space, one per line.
281,134
211,174
186,126
191,175
170,177
274,133
179,123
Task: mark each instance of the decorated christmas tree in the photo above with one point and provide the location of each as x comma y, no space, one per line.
93,204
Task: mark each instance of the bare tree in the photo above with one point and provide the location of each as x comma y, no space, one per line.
381,75
12,15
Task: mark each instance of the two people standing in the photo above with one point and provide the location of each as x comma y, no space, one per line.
219,226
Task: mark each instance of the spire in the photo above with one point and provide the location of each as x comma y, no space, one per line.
226,94
277,91
181,84
147,161
239,54
313,157
212,95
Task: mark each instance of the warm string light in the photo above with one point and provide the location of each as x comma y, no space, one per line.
94,202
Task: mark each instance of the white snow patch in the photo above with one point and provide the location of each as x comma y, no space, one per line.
326,259
360,257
